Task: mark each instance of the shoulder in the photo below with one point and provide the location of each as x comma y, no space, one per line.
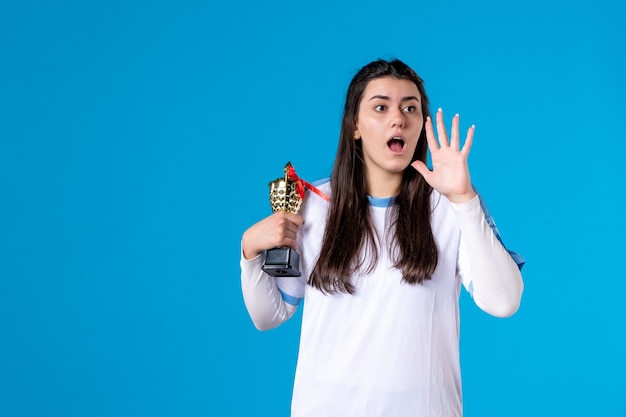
318,192
322,185
315,202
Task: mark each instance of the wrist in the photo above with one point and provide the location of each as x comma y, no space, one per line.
248,252
461,198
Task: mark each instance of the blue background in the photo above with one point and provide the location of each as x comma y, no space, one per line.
137,141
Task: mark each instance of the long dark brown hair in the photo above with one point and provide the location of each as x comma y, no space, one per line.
349,227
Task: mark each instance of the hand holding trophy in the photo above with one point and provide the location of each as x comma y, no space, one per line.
286,194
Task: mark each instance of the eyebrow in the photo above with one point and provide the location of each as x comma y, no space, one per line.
407,98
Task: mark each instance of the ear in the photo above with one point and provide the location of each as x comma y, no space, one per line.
357,134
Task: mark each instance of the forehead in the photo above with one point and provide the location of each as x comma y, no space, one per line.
391,87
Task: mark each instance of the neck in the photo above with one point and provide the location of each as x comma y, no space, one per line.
383,186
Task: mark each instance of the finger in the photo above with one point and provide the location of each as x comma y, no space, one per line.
430,135
454,137
290,231
469,139
290,225
441,129
283,217
295,218
289,242
422,169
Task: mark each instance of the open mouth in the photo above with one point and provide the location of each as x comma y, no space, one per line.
396,144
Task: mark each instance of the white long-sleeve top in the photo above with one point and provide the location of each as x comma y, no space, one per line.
390,349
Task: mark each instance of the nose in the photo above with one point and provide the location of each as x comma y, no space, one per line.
397,119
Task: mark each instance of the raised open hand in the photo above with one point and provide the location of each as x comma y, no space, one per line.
450,174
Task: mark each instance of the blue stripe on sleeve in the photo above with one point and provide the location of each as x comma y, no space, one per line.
519,259
294,301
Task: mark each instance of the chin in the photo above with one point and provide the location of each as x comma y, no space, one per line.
399,167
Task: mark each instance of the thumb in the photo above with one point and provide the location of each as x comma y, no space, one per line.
422,169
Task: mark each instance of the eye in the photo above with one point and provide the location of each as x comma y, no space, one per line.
380,108
410,109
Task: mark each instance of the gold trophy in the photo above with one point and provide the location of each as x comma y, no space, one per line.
285,195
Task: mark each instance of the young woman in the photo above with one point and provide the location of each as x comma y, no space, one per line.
383,261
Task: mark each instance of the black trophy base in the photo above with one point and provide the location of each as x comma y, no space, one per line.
282,262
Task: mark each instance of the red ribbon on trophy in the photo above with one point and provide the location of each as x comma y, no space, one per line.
302,184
